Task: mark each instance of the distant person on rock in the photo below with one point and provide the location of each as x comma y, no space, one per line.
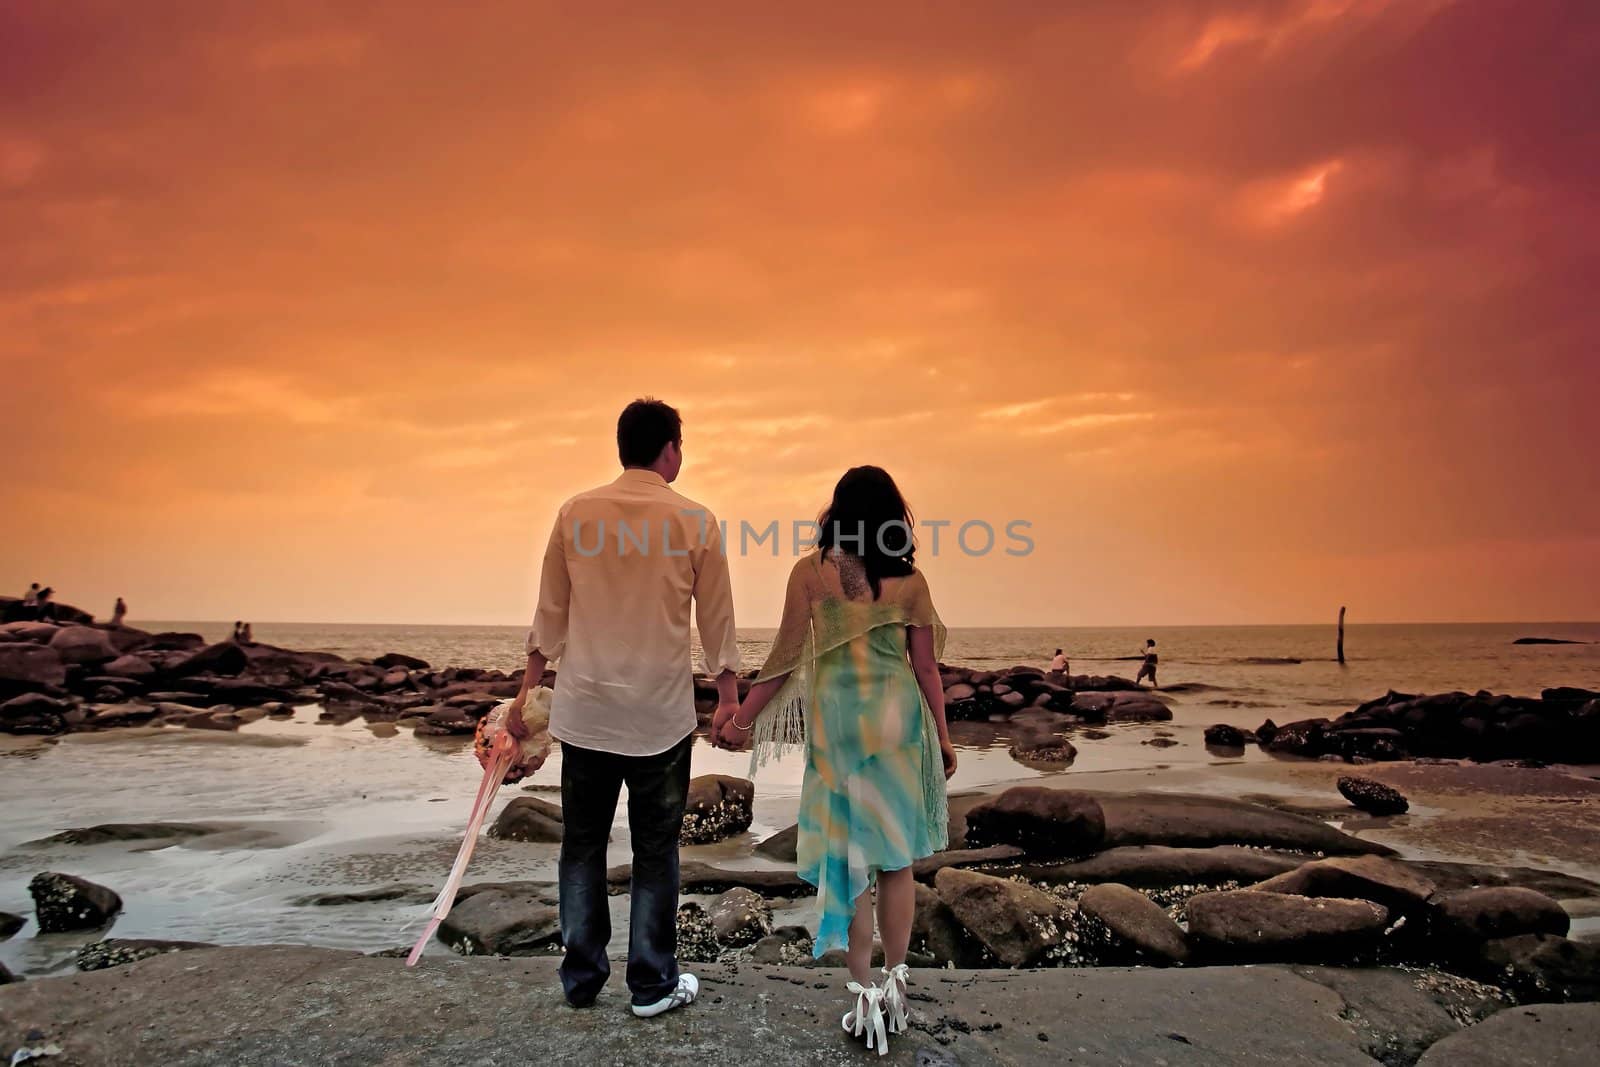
119,613
1148,667
245,635
238,631
44,606
30,602
624,564
853,675
1059,665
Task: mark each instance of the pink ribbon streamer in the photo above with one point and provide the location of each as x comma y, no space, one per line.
505,749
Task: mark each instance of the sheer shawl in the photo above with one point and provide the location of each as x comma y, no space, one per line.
818,617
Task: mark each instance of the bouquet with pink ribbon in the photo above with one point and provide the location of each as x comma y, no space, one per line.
504,759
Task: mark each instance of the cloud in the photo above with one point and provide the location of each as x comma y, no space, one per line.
1227,30
1276,201
228,395
1092,421
1246,252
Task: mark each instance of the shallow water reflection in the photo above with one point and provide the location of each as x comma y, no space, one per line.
303,807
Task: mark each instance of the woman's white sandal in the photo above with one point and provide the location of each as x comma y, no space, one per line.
894,997
867,1018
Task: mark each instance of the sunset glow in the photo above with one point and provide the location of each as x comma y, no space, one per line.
1251,308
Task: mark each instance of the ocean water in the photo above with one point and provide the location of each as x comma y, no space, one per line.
1277,669
302,807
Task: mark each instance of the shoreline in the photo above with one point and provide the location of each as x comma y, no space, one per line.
1529,823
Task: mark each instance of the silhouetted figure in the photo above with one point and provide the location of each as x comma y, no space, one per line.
1059,665
30,602
45,607
245,637
238,631
119,613
1148,667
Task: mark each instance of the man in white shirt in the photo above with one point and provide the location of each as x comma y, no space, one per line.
622,565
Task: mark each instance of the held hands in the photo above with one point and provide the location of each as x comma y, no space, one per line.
725,733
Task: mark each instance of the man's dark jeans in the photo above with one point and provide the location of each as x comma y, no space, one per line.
657,786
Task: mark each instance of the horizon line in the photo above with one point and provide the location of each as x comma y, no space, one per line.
974,626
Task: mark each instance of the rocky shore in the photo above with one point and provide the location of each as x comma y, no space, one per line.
76,676
283,1005
1560,725
79,675
1036,878
58,679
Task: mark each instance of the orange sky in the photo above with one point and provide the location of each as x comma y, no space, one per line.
315,311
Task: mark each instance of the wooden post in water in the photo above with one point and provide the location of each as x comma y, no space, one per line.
1341,635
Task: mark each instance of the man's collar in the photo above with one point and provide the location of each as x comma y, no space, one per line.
642,476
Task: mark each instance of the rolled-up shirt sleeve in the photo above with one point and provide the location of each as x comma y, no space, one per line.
548,634
713,603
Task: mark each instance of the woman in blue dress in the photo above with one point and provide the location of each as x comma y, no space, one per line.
854,676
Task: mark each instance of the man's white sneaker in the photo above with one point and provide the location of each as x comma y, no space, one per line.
688,989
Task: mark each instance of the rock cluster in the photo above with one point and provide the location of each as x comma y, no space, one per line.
738,920
1038,877
1177,903
57,679
1560,724
990,696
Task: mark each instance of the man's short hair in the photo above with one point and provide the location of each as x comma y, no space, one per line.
644,428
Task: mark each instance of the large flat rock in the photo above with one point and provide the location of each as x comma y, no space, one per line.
1541,1035
1555,884
695,876
1185,820
1244,924
1158,866
285,1005
1394,885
